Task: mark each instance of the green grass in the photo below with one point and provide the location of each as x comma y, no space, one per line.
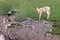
28,8
55,31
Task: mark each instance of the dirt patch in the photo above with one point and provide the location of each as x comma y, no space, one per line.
30,29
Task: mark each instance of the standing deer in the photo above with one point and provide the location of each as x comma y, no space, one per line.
5,24
43,9
4,21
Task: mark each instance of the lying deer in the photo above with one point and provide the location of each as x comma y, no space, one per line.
43,9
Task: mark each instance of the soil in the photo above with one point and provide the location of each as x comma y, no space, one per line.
30,29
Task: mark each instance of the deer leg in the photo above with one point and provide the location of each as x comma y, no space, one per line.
39,16
48,14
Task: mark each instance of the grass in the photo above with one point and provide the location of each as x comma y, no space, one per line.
28,8
55,31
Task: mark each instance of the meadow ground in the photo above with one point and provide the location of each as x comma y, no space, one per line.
28,8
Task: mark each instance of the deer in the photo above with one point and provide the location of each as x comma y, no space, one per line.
43,9
5,24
